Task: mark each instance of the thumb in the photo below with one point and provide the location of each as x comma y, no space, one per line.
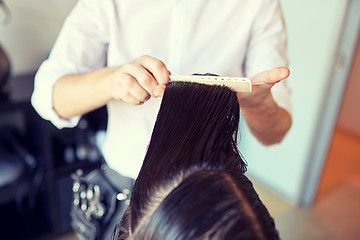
270,76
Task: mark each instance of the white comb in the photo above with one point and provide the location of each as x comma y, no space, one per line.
237,84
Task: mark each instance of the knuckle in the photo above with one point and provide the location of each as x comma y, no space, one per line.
128,66
145,80
158,64
145,56
127,81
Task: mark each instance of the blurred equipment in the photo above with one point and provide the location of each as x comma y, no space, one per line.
4,74
100,199
15,160
17,166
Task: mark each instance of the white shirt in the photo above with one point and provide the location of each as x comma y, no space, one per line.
225,37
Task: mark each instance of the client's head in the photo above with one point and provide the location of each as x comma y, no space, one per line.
205,204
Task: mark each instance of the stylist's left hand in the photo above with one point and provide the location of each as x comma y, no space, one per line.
261,85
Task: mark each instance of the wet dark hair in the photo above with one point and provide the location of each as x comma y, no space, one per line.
209,204
192,183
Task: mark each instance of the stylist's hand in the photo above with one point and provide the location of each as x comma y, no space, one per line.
138,80
261,85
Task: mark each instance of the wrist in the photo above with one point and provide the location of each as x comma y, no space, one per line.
268,122
106,82
261,106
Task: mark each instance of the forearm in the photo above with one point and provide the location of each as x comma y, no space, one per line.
134,83
76,94
268,122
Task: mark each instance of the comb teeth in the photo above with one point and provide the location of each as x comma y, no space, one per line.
237,84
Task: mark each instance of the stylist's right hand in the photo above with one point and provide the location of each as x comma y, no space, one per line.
138,80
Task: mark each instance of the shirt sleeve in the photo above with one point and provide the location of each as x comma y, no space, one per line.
267,48
80,47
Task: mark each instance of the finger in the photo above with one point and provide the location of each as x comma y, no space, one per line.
132,100
121,93
278,74
144,79
133,88
159,90
157,68
270,76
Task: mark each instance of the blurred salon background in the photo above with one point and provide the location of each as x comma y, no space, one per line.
310,182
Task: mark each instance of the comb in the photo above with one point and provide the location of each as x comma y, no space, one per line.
237,84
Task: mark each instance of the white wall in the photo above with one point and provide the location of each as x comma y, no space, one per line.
350,115
313,28
33,28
